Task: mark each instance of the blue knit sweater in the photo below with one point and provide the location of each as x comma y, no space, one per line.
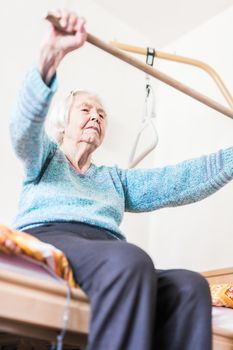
53,191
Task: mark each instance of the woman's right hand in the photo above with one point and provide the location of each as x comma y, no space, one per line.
57,44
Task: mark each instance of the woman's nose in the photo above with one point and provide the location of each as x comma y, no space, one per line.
94,116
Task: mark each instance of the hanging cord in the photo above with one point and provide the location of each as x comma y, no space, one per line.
148,117
60,337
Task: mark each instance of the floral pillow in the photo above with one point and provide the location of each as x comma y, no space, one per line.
25,245
222,294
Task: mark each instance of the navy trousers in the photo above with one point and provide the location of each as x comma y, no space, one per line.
134,306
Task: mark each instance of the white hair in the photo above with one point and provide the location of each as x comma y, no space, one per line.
59,115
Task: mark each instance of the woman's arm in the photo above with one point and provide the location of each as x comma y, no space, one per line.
29,139
184,183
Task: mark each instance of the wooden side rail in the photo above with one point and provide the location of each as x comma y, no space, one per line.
34,308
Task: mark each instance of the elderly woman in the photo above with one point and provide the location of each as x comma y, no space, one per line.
77,206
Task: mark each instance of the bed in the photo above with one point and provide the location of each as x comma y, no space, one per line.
33,301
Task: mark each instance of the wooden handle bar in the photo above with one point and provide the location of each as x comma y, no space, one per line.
181,59
149,70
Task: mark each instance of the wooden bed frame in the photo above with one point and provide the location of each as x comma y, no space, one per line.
32,304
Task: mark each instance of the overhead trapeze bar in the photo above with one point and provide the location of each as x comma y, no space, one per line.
181,59
149,70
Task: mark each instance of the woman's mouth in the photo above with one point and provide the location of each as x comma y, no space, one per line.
93,128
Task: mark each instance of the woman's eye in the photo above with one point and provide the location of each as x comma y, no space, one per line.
101,116
84,110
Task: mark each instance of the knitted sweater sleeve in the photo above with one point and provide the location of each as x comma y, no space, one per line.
184,183
29,140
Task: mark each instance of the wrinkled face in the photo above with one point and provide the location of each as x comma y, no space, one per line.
86,121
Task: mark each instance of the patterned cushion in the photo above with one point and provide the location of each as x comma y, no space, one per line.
222,294
23,244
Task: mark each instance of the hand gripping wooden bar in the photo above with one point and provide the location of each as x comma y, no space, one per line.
149,70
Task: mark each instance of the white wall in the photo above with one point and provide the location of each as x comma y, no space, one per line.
122,88
197,236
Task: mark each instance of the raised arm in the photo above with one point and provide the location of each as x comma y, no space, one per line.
184,183
29,140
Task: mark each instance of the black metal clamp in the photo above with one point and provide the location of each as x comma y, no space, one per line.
150,55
